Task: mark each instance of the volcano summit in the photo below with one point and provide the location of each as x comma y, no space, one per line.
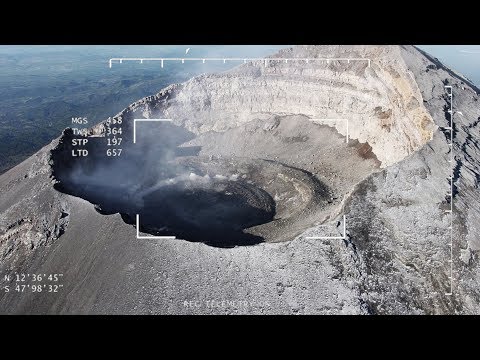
244,191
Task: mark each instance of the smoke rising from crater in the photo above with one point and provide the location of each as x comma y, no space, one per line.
165,184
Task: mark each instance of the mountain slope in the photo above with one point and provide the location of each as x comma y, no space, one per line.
395,258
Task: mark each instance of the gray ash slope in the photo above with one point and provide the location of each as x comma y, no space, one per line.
390,181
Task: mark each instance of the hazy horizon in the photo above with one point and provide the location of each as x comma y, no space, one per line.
464,59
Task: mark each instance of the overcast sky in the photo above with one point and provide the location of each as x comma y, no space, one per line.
465,59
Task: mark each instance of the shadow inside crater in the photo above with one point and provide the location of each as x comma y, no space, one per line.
171,199
216,217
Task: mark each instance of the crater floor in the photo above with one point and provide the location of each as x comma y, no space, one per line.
267,180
